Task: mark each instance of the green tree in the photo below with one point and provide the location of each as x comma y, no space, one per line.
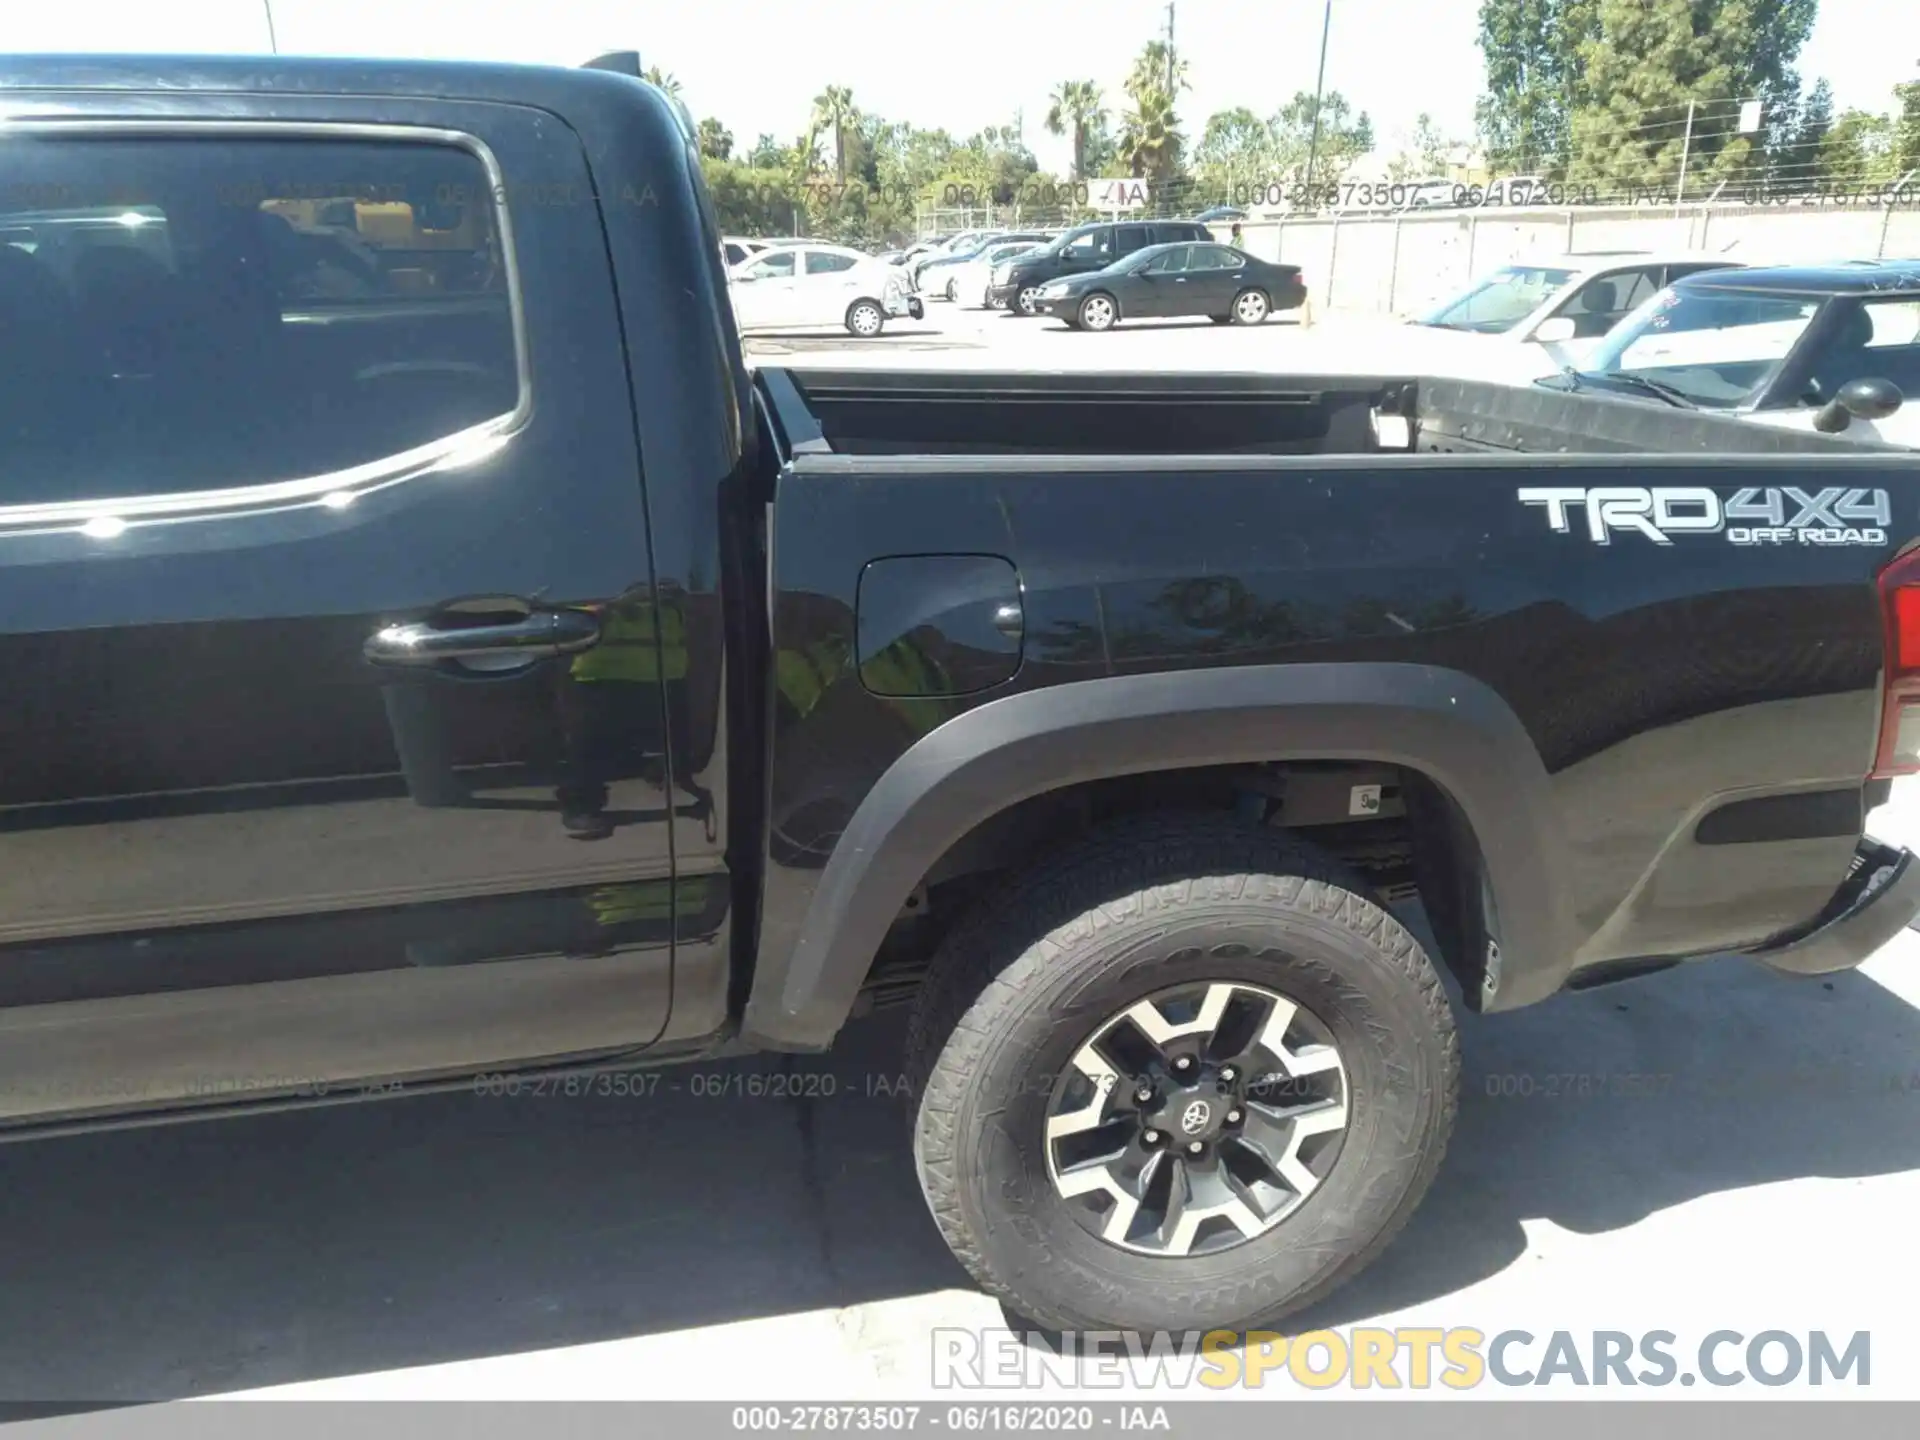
1429,152
1799,165
766,154
1648,60
1344,138
1151,71
1531,50
663,80
716,141
1076,105
1150,142
1235,151
834,110
1859,149
1906,128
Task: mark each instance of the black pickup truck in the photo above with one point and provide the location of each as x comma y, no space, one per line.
430,653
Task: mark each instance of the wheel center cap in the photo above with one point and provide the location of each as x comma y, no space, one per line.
1191,1114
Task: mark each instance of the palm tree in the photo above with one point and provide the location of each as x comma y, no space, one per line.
661,79
1150,71
1150,136
833,109
1076,104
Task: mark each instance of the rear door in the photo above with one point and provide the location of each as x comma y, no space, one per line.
1129,238
333,723
1215,274
829,283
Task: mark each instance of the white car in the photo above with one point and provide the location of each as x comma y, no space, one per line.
813,286
973,285
738,249
1534,318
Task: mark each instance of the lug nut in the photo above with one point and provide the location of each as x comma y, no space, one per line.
1152,1137
1228,1073
1143,1094
1233,1117
1183,1062
1195,1148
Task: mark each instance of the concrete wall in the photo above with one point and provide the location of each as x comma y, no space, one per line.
1398,264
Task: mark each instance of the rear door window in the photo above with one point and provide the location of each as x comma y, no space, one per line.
1093,245
180,314
1215,257
1132,238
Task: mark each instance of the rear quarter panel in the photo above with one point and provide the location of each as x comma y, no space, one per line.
1656,681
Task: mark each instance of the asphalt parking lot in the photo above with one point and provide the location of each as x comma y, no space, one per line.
961,336
690,1244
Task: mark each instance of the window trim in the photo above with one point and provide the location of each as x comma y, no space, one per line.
334,489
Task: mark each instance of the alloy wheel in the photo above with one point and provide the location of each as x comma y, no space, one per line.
1097,313
1197,1119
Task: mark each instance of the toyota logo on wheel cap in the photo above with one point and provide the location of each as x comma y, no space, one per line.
1194,1118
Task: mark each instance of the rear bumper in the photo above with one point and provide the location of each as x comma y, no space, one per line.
1876,902
1291,299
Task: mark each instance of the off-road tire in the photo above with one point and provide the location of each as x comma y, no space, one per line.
1027,975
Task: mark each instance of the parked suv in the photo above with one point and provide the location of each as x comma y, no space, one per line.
1017,283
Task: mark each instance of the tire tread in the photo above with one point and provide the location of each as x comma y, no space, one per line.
979,971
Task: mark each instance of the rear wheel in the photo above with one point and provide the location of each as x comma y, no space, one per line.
1098,312
953,290
1250,307
865,318
1185,1076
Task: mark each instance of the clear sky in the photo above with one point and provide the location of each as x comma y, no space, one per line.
962,64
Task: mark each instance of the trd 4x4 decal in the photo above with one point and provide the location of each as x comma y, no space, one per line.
1776,515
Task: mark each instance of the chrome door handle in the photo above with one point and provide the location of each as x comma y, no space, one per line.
542,633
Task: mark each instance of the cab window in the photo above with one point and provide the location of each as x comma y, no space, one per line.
352,293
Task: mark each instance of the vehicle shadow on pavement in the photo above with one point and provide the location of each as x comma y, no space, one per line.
1599,1109
204,1258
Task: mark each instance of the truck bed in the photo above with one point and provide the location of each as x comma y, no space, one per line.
904,412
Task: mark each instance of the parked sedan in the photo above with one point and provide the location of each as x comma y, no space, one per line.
1218,281
796,286
971,284
935,275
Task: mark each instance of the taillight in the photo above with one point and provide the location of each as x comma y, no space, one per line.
1899,750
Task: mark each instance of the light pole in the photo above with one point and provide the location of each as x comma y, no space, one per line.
1319,87
273,40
